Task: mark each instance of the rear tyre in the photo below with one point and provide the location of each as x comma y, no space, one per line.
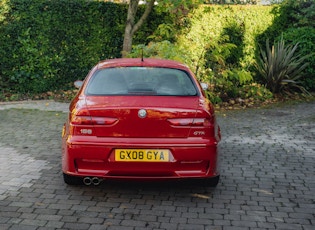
212,182
72,180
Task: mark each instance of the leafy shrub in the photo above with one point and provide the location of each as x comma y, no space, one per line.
255,91
295,13
163,49
305,37
280,67
4,8
295,19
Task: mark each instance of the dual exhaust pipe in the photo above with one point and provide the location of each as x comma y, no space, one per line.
94,180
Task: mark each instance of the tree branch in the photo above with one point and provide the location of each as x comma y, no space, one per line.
148,9
132,11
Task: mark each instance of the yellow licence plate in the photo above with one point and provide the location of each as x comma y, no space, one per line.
145,155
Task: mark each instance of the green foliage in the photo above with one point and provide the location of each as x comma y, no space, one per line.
295,19
159,26
255,91
220,45
38,69
305,37
164,32
235,31
46,45
4,8
216,55
214,26
223,90
232,1
296,13
240,76
290,14
163,49
281,67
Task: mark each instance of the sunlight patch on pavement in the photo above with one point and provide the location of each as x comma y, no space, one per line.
200,196
18,171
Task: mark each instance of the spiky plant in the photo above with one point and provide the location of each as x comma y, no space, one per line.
281,67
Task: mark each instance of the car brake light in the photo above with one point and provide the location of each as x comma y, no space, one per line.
87,120
204,122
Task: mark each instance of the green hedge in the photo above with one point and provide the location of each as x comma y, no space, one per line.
211,26
46,45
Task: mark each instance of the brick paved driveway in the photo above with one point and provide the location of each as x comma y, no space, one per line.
267,177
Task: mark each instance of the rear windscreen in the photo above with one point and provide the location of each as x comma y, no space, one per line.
141,81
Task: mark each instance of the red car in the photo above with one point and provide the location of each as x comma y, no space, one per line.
140,119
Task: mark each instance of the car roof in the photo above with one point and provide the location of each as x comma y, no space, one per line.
145,62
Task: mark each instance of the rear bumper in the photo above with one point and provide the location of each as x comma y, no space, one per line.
93,157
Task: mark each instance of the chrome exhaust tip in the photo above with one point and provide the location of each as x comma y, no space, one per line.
87,180
96,180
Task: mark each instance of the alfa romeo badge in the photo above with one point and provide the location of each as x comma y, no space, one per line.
142,113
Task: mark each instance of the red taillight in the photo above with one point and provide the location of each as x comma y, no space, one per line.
203,122
87,120
181,121
104,120
81,120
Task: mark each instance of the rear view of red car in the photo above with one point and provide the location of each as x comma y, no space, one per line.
135,119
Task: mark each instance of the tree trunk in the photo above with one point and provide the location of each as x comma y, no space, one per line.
131,26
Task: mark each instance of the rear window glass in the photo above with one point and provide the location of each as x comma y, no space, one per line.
141,81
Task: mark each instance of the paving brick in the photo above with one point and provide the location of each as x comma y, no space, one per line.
34,222
245,223
288,226
224,223
150,218
28,216
45,211
120,227
169,225
265,225
4,220
133,223
22,204
60,206
76,226
63,212
297,221
308,227
308,216
196,221
69,219
49,217
22,227
191,226
53,224
189,215
91,220
10,214
97,227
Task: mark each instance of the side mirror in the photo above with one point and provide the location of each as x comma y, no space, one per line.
204,86
78,84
